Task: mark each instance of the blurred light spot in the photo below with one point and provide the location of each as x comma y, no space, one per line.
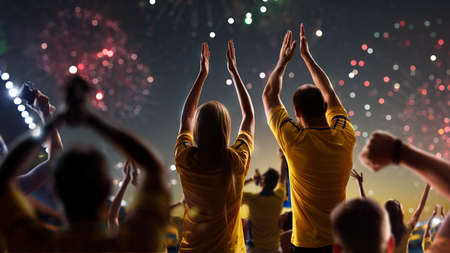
364,47
173,167
229,82
395,67
99,96
212,35
230,21
263,9
9,85
319,33
386,79
44,45
5,76
73,69
262,75
433,57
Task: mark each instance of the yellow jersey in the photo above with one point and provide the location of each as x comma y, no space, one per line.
212,222
263,220
320,161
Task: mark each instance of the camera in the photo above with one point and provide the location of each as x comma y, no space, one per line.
28,93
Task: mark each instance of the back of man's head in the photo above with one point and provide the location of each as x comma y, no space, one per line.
270,179
309,102
82,183
361,225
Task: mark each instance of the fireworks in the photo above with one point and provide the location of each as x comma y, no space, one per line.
83,42
408,93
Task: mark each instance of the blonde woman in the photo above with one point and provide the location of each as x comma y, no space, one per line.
212,173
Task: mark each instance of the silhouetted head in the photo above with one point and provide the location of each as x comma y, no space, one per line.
361,225
309,103
212,127
269,180
83,184
395,211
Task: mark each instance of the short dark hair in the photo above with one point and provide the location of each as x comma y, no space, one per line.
308,101
82,182
270,179
360,225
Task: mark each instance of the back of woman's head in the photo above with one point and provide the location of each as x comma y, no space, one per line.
212,127
398,228
82,183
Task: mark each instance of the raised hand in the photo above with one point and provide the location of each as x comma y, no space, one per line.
231,58
435,209
304,50
378,151
442,212
127,170
287,49
357,176
135,174
257,177
204,59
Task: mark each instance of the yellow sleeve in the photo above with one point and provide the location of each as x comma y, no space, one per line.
338,119
185,140
145,226
243,147
280,191
283,128
426,243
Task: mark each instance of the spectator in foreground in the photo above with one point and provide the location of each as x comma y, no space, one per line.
263,230
318,148
361,225
83,185
400,230
383,149
212,174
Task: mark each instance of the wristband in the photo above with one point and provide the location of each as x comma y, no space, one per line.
396,152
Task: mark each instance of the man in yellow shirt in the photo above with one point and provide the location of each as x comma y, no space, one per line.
318,148
263,231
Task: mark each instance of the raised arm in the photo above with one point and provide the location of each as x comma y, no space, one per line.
248,114
319,77
271,94
114,209
133,148
283,167
359,178
37,176
427,233
256,177
383,149
415,217
22,155
190,105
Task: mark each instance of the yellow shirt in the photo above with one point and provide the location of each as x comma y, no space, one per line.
212,222
426,243
319,160
142,231
263,225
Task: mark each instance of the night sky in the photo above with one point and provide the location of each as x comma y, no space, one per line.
388,62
